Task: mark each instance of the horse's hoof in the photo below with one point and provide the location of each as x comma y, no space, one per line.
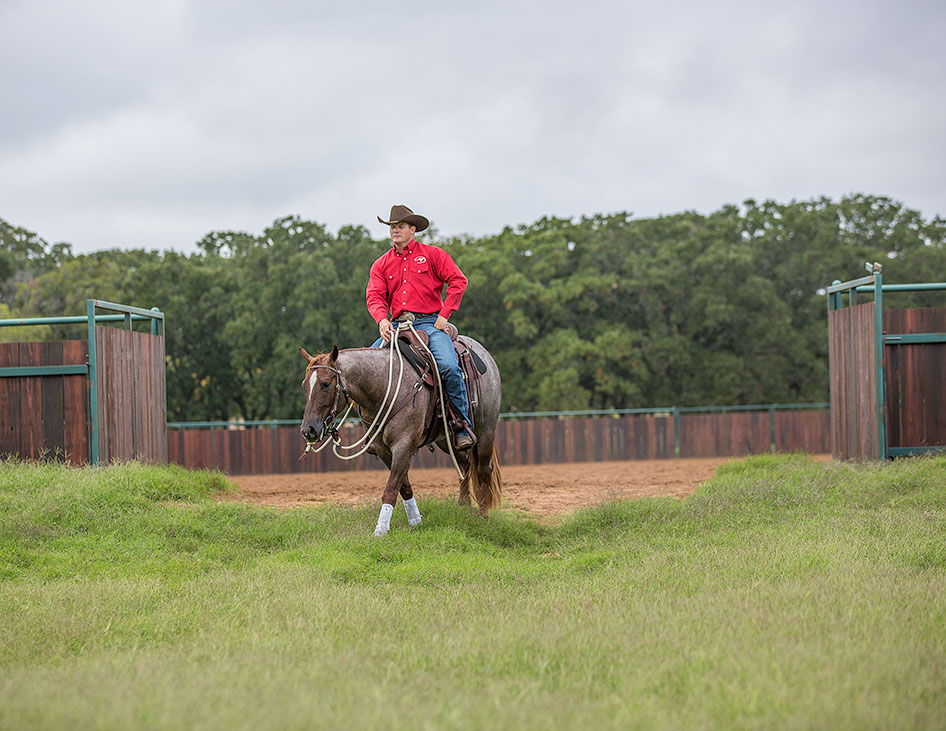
380,532
415,523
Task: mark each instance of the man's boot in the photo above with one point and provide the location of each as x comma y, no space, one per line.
464,440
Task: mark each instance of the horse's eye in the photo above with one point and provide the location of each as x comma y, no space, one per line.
324,385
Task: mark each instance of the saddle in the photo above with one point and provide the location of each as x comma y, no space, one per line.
413,345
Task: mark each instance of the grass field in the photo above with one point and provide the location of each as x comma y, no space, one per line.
785,593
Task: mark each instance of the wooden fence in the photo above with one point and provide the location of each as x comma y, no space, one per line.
132,406
852,357
277,449
94,401
45,415
915,379
888,370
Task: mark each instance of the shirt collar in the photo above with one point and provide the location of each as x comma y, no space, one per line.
408,250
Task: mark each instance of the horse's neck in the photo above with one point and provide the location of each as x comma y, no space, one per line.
365,371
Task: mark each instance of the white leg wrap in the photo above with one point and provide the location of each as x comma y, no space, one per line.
413,514
384,520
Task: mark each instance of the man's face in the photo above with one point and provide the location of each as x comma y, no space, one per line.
402,233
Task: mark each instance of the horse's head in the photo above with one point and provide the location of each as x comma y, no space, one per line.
324,393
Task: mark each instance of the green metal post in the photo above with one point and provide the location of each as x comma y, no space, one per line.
879,362
93,388
164,374
834,299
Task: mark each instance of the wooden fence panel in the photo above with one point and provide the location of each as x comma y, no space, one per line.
915,380
803,431
31,402
699,435
663,437
579,429
53,402
44,416
75,403
725,434
750,432
115,399
851,338
132,404
10,402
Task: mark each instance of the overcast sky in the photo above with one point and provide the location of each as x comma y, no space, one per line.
127,124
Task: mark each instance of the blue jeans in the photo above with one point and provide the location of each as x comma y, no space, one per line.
446,357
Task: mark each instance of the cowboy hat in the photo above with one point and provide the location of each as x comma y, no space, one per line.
403,214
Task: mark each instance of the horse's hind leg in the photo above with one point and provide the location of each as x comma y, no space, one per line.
463,461
487,486
410,505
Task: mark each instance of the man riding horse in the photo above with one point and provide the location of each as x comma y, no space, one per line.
406,283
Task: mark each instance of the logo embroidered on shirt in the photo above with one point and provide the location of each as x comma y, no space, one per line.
420,259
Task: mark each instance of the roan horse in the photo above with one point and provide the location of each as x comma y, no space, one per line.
370,377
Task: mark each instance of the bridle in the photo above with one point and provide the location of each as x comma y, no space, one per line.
340,391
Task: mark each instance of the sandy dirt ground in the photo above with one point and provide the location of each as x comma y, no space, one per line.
541,490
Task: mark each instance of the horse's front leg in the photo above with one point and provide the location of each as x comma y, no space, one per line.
400,464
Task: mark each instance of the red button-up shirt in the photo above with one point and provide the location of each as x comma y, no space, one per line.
413,281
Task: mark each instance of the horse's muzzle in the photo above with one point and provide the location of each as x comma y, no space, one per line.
311,434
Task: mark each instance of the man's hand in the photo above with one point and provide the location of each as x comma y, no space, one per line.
442,324
386,329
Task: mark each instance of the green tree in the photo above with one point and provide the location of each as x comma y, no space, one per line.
24,255
609,311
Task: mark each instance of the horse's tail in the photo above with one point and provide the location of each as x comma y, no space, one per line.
495,489
490,495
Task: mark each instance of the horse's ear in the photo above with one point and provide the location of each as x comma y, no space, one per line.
306,355
334,353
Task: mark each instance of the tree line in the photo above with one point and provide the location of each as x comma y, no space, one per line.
609,311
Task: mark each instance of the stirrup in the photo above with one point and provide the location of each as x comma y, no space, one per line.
464,442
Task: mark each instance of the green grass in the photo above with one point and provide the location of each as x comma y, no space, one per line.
784,593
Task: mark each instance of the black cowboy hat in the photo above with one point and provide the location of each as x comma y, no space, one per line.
403,214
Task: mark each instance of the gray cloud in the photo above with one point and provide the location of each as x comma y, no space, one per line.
149,124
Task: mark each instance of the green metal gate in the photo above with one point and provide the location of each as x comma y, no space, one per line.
888,371
94,401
